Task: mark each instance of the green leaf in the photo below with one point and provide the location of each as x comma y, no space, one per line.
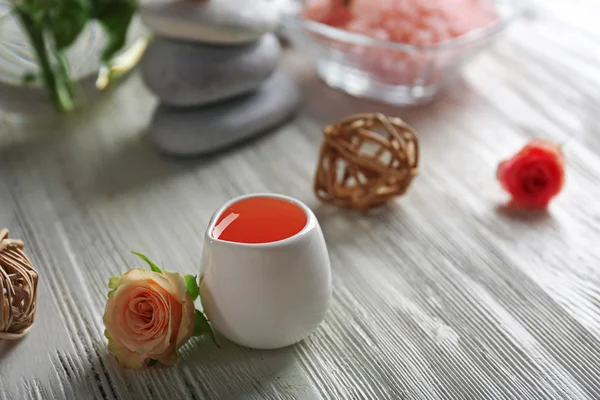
152,362
67,20
28,78
115,17
35,17
35,11
113,282
202,327
153,266
192,286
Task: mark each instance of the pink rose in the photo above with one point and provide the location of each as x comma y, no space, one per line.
148,316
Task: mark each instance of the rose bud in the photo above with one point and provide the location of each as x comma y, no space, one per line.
534,175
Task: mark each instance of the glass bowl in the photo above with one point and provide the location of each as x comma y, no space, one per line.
396,73
91,78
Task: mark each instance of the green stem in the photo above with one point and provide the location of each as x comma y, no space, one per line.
65,78
59,90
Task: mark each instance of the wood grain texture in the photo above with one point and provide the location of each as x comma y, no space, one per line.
444,294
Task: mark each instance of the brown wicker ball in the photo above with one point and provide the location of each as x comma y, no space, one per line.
18,287
365,160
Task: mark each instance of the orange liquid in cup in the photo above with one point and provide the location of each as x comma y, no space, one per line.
260,220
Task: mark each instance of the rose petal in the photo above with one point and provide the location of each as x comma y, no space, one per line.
183,328
124,356
168,345
178,285
171,358
535,175
171,282
186,327
139,274
163,328
120,326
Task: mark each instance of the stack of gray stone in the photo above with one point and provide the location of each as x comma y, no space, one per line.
212,64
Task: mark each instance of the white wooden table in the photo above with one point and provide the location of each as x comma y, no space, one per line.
445,294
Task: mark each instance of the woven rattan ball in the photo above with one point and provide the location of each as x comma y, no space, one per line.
365,160
18,287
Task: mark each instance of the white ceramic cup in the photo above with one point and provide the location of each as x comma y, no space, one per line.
266,295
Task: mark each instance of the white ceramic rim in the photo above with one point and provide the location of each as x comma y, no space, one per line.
311,221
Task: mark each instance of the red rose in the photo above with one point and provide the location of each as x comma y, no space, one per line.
535,175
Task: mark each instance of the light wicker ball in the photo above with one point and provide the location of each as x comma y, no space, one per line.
366,160
18,287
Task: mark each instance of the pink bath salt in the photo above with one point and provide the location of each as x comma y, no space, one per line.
339,18
400,68
317,10
329,12
371,10
418,22
368,29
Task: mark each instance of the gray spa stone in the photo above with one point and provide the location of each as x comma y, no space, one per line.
223,22
189,74
202,130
